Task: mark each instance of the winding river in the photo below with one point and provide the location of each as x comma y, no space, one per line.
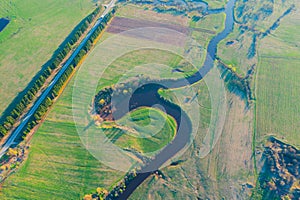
147,96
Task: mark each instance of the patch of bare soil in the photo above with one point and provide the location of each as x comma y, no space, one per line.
120,24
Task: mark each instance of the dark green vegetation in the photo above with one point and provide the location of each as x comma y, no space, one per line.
35,31
264,37
236,84
102,103
280,174
12,114
57,137
263,46
182,7
9,164
58,165
27,99
145,130
227,172
115,192
254,22
55,91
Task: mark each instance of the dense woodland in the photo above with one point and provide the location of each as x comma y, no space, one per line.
279,178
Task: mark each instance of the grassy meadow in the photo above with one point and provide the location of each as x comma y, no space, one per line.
149,130
238,53
153,63
179,181
58,165
143,12
277,84
215,4
195,176
35,31
214,22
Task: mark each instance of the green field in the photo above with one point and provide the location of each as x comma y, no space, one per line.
278,107
149,130
214,4
58,165
217,20
181,181
237,54
36,30
182,177
140,61
277,85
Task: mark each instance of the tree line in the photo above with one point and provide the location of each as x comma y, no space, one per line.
30,94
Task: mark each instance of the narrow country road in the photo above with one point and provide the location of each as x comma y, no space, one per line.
11,139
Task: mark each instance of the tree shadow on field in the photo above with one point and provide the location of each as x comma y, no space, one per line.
21,94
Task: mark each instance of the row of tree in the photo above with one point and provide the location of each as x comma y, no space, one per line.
61,82
19,108
43,108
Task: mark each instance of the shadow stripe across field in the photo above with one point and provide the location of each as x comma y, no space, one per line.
3,23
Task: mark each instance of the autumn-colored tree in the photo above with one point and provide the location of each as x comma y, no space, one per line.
102,101
88,197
